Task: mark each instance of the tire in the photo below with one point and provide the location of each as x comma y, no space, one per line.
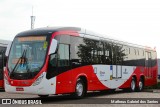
80,89
140,85
43,96
133,85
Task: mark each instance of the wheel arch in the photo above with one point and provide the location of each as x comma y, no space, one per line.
135,77
143,78
84,78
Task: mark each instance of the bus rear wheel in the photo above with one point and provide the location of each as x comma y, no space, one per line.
133,85
140,85
80,89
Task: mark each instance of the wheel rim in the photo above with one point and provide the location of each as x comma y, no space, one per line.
79,89
140,85
133,85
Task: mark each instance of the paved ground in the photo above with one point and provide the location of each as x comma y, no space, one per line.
60,101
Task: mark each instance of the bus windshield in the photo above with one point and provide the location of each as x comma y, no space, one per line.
27,54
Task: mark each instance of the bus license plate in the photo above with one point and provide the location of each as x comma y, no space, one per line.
19,89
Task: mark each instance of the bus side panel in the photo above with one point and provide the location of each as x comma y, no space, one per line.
141,71
66,81
151,80
136,73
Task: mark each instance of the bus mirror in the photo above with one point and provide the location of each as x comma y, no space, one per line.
53,47
8,49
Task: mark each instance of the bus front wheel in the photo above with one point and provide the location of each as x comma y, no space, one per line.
80,89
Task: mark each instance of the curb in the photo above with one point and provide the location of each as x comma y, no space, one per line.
152,90
156,91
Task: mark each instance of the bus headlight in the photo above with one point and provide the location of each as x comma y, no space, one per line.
38,80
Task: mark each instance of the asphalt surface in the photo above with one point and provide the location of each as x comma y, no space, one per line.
91,99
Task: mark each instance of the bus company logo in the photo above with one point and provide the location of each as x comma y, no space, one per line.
125,72
6,101
102,73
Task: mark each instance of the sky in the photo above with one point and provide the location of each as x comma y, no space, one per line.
135,21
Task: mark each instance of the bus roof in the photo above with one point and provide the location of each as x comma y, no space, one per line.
46,30
87,34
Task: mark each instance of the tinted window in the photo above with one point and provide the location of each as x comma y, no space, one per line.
107,56
118,54
154,58
63,55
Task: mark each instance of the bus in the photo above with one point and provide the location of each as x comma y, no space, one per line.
71,60
3,58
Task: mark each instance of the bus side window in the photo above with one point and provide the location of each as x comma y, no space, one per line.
63,55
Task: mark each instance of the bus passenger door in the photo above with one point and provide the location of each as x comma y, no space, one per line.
63,57
117,61
114,61
64,80
148,65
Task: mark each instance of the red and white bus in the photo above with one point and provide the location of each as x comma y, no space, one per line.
3,58
70,60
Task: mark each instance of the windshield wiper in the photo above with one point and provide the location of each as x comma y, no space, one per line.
18,61
26,61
